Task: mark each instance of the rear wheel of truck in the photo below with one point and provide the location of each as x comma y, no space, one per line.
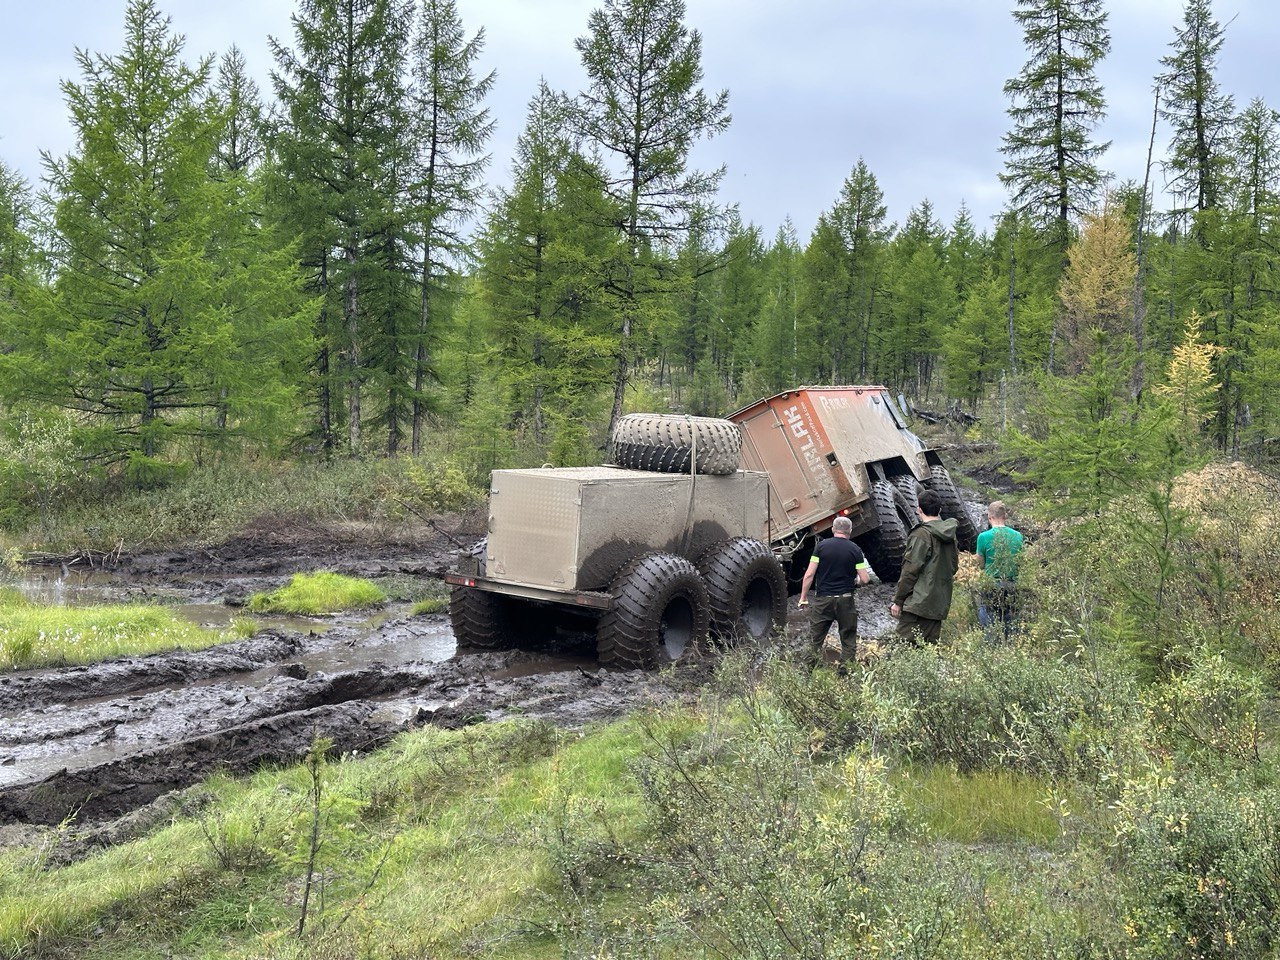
886,545
953,508
480,619
665,443
659,613
746,590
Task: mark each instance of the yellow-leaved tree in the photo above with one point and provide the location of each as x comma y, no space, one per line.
1097,288
1190,383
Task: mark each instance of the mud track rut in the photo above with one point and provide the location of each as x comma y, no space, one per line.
95,743
98,745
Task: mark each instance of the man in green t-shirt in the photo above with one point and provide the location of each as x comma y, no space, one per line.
998,550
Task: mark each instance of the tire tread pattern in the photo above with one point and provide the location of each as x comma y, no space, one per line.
479,619
886,545
954,508
728,569
664,443
627,635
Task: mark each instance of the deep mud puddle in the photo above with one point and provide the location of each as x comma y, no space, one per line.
95,742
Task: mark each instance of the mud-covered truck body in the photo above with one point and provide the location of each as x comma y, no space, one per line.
652,557
843,450
699,526
554,532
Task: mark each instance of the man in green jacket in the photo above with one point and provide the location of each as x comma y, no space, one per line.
929,567
998,550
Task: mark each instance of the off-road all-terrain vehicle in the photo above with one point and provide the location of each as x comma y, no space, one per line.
698,526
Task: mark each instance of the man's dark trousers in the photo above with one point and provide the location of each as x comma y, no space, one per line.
918,630
823,611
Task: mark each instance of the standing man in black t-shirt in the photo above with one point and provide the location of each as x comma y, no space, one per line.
835,569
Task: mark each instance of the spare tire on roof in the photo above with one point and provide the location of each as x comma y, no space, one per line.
665,443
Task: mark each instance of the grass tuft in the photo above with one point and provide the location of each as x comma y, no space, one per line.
431,605
41,636
988,806
311,594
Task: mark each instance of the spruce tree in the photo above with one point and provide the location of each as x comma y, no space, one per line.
644,107
1056,104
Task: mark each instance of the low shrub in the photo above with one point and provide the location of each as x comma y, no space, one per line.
750,848
311,594
1202,868
976,708
1208,714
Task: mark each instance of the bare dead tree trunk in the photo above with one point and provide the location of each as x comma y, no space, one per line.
1139,297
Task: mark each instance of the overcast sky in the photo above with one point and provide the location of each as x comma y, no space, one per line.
914,87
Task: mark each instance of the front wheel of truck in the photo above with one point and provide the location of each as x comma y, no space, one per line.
659,614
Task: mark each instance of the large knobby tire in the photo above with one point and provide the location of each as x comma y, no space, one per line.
953,508
909,487
666,443
659,613
480,619
746,590
886,545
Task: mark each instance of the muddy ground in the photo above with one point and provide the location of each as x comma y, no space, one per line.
102,745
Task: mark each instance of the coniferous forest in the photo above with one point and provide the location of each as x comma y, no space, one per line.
323,269
260,348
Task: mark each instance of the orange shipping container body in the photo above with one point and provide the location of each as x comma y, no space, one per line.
815,444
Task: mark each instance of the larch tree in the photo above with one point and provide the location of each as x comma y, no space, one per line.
143,335
921,300
343,154
739,286
1057,102
973,347
17,251
451,128
241,148
546,252
1198,112
1097,286
644,107
775,336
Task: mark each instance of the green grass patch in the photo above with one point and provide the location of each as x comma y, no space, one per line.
434,846
39,636
310,594
431,605
988,806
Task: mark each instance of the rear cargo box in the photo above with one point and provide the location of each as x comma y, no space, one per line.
574,528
